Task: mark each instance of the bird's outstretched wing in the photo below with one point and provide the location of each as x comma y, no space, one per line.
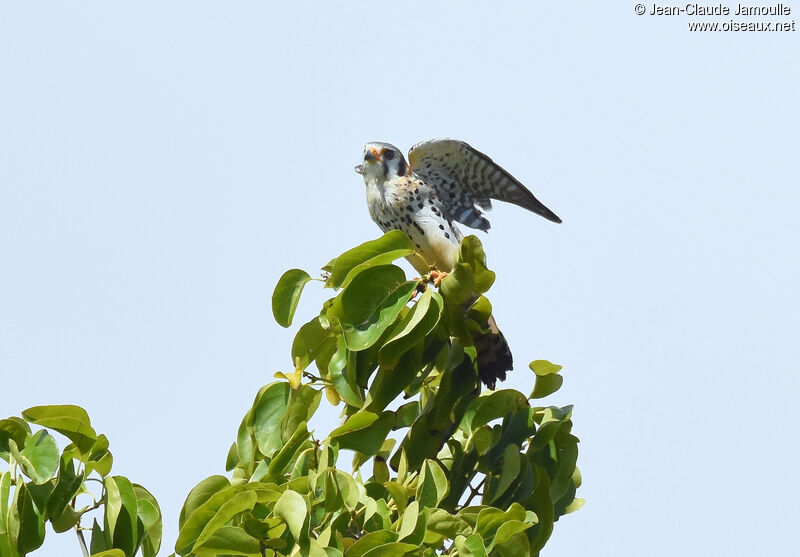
465,177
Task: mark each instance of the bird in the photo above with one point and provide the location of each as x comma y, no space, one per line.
443,182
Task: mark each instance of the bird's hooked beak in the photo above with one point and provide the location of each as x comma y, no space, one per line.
370,156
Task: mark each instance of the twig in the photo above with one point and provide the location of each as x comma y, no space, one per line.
81,540
474,491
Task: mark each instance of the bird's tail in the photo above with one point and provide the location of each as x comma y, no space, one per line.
493,354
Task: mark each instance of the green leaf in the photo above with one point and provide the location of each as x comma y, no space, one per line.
239,503
268,411
543,367
287,453
313,343
550,424
470,275
67,487
471,546
547,379
496,404
447,525
393,549
100,541
391,382
575,505
195,522
370,304
149,515
542,504
39,458
491,518
110,553
340,490
546,385
406,414
121,513
69,420
508,530
340,374
413,328
370,541
29,519
15,429
100,459
303,402
432,486
435,426
268,528
5,491
201,493
399,493
389,247
287,295
515,546
509,471
292,509
364,432
230,540
408,520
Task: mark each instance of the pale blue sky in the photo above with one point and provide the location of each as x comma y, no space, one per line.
161,164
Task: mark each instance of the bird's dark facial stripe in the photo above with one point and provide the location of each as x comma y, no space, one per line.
402,167
388,155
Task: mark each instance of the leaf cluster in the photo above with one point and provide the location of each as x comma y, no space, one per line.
438,467
44,485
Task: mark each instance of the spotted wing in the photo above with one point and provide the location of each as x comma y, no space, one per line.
467,179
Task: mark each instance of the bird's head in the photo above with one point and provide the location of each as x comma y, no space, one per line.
382,161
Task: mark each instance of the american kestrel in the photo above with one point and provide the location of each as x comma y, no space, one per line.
447,180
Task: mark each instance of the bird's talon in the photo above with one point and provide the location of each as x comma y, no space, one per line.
438,277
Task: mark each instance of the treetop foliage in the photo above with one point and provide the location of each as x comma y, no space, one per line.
438,465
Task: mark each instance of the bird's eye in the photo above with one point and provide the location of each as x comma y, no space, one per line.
388,155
